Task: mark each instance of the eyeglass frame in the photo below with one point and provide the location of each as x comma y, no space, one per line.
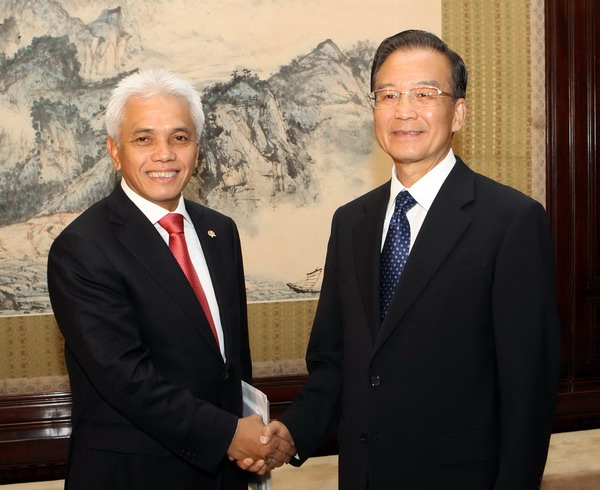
411,99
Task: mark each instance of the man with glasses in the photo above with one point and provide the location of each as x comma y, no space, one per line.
435,344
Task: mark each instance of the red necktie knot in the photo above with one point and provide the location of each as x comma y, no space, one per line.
172,222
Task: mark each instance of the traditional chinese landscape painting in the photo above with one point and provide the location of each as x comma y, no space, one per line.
288,136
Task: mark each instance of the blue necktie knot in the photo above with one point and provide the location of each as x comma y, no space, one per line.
404,202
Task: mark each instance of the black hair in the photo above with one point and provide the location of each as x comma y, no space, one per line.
413,39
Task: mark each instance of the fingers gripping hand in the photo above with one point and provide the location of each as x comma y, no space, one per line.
248,464
245,440
251,453
278,433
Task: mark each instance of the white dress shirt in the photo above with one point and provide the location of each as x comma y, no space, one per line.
155,213
424,192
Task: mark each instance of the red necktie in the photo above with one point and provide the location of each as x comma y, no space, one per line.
173,223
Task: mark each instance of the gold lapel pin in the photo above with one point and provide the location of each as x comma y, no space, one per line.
211,234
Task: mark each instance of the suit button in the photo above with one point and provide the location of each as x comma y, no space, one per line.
226,375
375,381
363,438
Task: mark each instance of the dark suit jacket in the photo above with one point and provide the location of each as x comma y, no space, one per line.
154,405
456,388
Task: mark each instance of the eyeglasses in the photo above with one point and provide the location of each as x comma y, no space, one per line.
387,98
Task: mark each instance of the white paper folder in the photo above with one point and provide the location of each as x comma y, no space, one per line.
255,401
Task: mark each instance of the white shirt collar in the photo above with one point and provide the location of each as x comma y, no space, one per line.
153,211
427,187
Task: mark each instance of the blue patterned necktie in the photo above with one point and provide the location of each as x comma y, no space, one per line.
395,250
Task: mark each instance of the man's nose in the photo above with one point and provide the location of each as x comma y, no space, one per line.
404,107
163,151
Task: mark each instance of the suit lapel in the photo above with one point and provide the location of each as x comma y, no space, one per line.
213,254
443,226
145,244
367,233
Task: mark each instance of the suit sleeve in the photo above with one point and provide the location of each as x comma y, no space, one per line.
527,346
94,311
315,412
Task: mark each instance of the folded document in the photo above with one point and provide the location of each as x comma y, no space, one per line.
255,401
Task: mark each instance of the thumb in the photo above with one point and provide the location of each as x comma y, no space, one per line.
266,434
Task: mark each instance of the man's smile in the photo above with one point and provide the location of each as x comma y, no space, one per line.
162,174
406,133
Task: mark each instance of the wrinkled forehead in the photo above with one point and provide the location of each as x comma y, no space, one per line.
414,66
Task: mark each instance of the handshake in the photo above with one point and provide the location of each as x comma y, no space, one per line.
259,448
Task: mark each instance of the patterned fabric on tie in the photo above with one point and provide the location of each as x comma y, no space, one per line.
173,223
395,250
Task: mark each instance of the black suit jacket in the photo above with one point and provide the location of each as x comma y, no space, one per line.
456,388
154,404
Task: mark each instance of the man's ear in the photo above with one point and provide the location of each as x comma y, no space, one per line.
460,114
113,152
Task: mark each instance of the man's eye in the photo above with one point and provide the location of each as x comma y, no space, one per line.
424,94
142,140
387,95
181,139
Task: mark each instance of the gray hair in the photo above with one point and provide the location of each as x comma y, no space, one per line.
149,83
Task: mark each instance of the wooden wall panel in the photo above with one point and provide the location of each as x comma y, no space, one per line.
573,77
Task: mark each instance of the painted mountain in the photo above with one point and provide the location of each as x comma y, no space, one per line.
273,149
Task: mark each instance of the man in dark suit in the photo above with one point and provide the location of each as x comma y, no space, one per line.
148,291
435,345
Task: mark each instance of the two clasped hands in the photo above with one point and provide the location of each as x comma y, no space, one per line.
259,448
